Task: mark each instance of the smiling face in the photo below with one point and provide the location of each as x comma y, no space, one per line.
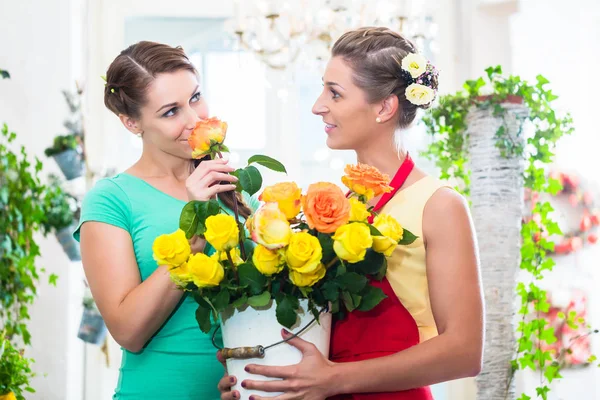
173,106
349,118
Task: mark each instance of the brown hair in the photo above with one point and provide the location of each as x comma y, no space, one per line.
375,55
131,73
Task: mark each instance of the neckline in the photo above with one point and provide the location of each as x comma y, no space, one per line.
137,178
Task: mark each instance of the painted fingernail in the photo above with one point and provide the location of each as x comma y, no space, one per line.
232,379
285,332
247,369
244,384
252,398
235,395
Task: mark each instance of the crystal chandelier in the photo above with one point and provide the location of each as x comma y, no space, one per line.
282,32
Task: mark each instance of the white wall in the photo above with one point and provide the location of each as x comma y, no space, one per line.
36,42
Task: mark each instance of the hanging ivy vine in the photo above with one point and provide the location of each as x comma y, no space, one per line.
446,123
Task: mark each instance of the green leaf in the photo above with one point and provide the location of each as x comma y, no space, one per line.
267,162
351,300
4,74
221,300
374,231
188,220
250,179
407,238
52,279
371,297
260,300
352,282
251,277
327,245
287,310
331,291
372,263
240,302
203,318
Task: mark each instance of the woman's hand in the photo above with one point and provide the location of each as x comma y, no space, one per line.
227,382
311,379
197,244
209,179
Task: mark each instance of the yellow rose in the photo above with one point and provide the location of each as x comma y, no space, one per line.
415,64
358,210
392,233
304,280
172,249
181,275
270,227
304,253
235,256
352,241
8,396
205,271
222,232
287,195
268,262
419,94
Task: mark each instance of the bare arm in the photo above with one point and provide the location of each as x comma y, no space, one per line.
133,310
456,299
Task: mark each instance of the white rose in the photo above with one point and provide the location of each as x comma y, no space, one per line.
415,64
419,94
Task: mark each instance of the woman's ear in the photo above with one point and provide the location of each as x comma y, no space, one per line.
131,124
387,109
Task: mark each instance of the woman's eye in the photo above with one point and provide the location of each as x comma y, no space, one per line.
335,94
196,97
171,112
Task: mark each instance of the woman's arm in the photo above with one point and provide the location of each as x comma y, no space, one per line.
133,310
456,300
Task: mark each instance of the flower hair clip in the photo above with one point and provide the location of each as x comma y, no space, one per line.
422,79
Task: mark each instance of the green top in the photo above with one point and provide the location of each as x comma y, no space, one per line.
179,362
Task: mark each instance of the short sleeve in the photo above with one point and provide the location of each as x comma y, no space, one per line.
107,203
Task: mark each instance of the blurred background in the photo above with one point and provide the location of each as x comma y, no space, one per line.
262,74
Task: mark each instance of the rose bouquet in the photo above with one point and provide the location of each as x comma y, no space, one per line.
323,246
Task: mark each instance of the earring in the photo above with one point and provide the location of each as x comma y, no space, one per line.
378,120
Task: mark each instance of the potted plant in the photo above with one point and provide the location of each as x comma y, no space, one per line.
311,257
67,150
67,153
15,372
92,328
496,138
61,216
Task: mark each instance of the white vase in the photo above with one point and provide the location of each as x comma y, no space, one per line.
250,327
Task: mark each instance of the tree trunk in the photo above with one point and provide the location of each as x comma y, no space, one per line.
497,208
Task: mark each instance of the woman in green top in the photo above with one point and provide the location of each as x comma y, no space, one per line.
153,89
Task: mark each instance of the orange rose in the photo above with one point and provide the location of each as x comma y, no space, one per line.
206,134
366,180
326,207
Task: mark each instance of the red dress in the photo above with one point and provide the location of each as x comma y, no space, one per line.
385,330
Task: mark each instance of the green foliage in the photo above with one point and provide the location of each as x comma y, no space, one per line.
62,143
15,370
447,126
61,209
21,215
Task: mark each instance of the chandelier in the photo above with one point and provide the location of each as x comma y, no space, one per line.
282,32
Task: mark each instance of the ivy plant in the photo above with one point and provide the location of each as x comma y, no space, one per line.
446,124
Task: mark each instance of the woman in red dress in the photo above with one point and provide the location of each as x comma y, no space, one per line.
429,329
